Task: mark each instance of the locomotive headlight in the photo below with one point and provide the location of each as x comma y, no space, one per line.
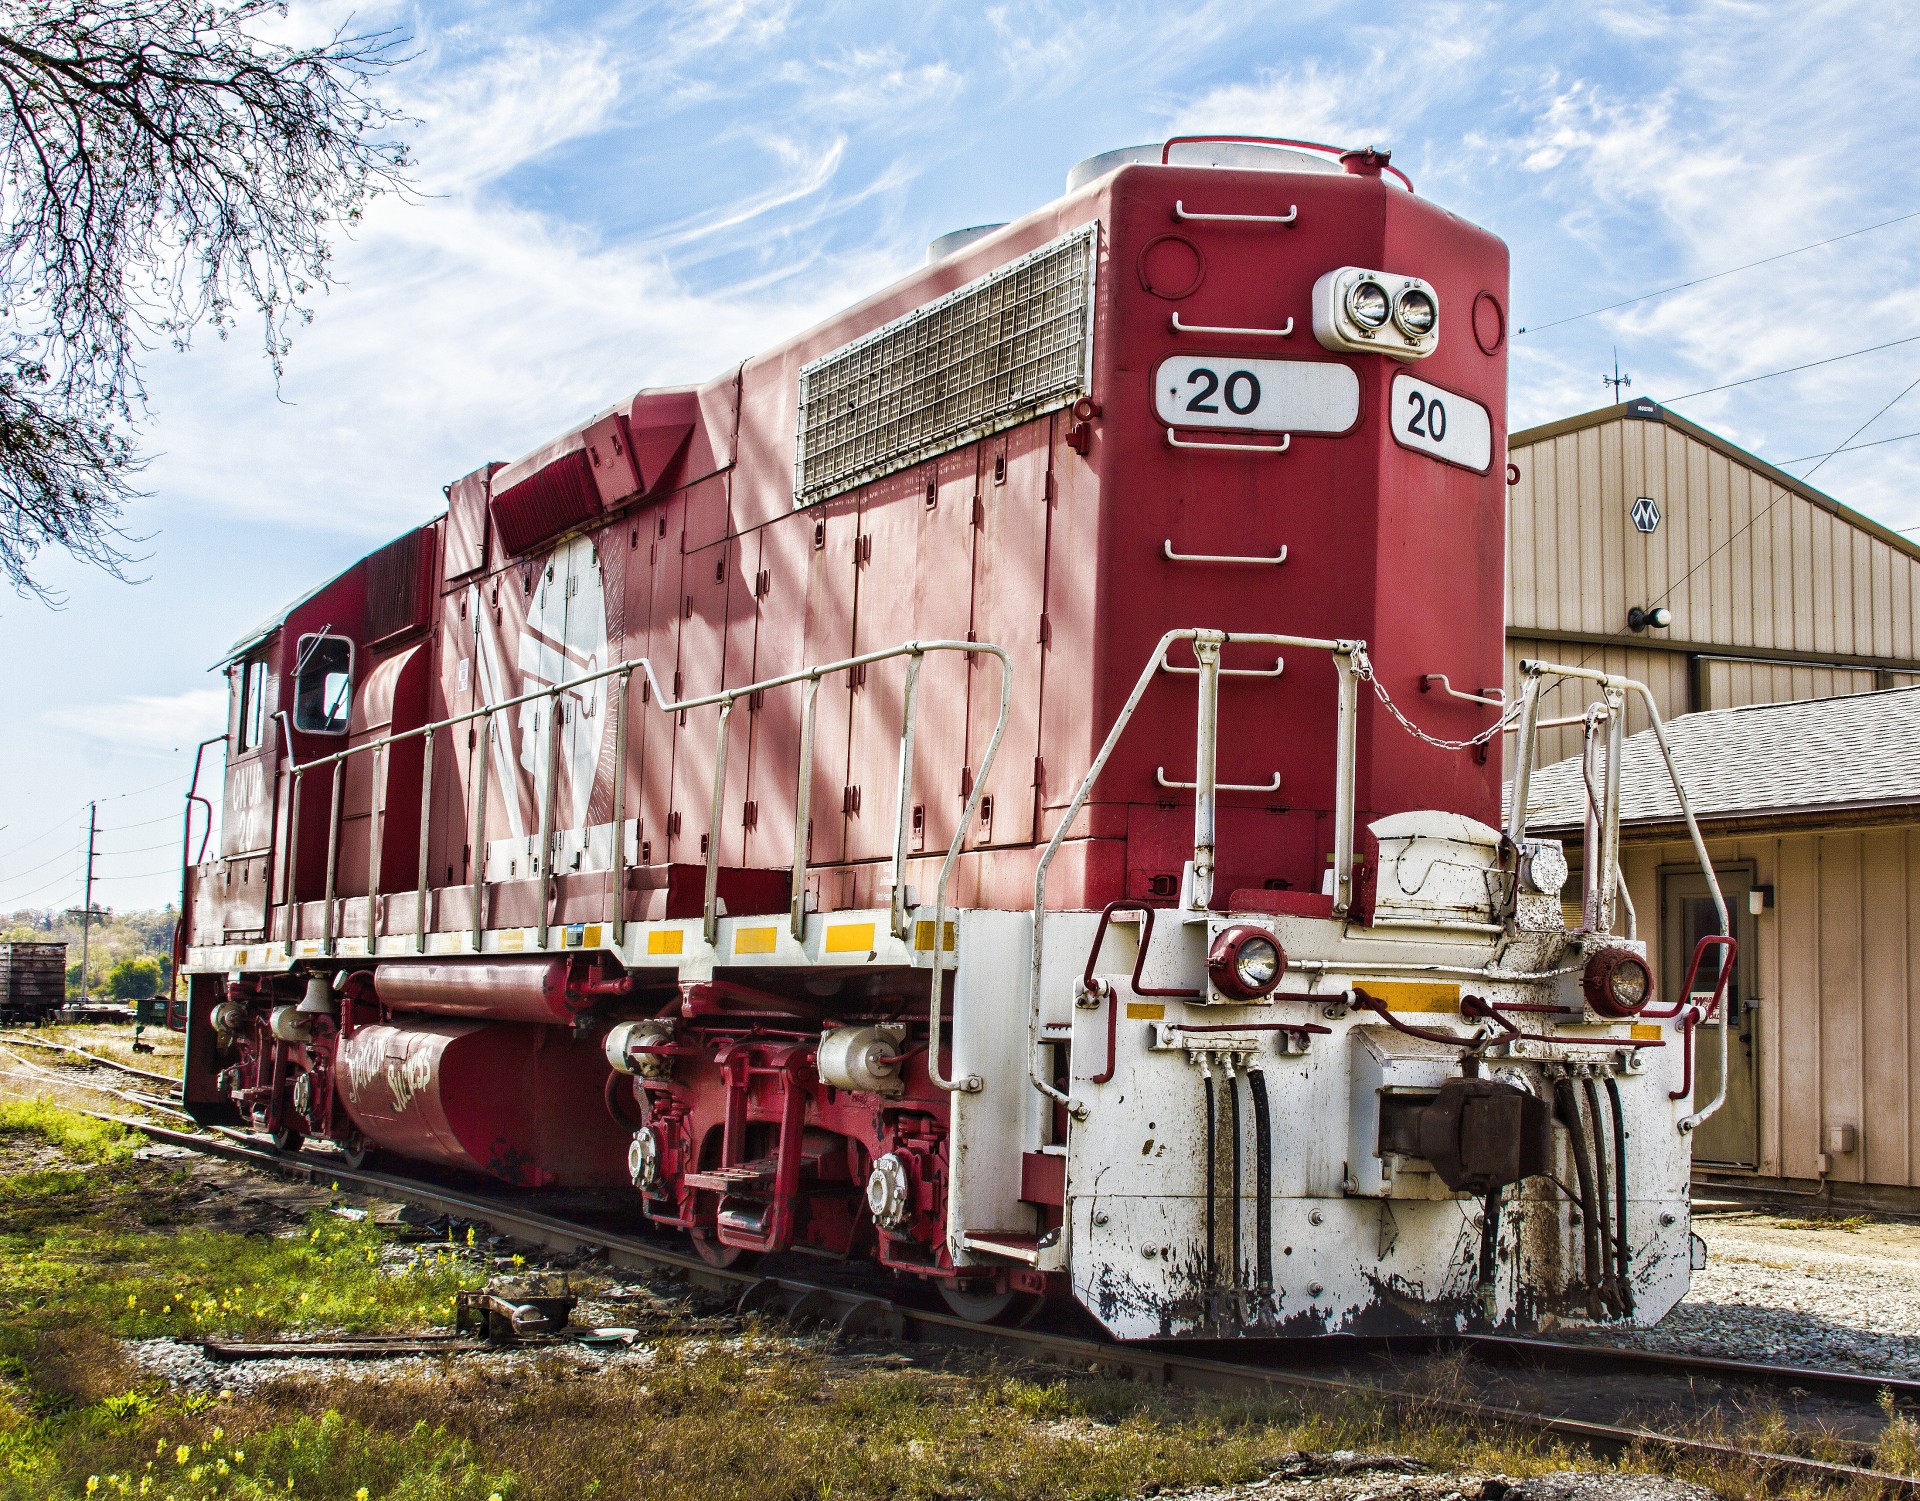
1245,962
1617,983
1367,303
1415,311
1360,310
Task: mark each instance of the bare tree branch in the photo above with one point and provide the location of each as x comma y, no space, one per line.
163,167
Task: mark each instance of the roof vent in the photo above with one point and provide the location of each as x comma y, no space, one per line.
955,240
1248,156
1647,411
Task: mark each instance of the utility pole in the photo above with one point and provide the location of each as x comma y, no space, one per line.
86,904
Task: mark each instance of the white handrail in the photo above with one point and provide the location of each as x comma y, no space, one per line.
1207,646
725,698
1616,687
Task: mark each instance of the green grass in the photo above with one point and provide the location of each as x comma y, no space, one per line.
80,1137
96,1248
136,1446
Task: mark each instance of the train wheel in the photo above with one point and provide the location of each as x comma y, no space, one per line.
984,1304
287,1139
359,1152
708,1247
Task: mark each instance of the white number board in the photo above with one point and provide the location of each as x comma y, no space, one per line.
1265,396
1442,423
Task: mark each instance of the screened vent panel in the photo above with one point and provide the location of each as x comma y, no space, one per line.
989,355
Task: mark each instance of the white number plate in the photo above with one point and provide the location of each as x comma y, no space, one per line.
1446,425
1265,396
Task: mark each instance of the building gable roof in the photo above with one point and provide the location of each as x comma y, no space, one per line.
1641,410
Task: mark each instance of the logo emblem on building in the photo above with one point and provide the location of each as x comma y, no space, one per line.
1646,514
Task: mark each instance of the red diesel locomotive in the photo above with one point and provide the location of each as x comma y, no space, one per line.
930,794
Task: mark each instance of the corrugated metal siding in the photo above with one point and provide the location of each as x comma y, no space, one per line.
1742,562
1837,974
1769,568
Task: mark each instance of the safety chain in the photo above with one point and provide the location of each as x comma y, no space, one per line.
1363,670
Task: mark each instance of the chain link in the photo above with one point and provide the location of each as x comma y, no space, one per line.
1363,671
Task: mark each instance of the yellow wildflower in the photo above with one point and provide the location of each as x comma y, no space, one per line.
182,1454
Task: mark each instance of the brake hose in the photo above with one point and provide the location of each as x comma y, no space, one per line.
1262,1181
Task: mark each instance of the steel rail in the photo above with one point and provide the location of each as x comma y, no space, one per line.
125,1068
857,1313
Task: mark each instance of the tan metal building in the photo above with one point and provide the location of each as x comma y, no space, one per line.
1777,591
1811,813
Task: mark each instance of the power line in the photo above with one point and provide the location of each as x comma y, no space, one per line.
16,901
81,807
1667,401
145,849
17,875
1681,286
139,875
1850,448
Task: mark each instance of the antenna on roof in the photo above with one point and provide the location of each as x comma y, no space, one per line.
1616,380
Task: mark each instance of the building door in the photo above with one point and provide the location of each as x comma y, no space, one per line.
1731,1136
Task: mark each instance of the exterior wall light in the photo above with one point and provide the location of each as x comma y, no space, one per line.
1657,616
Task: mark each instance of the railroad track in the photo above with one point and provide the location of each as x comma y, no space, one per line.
1236,1368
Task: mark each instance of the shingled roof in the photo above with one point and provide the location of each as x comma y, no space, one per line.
1765,761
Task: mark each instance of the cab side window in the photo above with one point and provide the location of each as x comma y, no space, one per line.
253,705
323,685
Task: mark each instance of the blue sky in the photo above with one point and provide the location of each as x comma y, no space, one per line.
639,194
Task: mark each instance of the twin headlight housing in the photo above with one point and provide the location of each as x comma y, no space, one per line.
1357,311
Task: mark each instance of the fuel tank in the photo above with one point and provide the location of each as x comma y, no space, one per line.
518,1102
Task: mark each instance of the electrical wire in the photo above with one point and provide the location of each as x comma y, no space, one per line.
22,874
110,798
1667,401
1850,448
145,849
137,875
1681,286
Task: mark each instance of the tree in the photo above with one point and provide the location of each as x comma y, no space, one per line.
163,166
133,979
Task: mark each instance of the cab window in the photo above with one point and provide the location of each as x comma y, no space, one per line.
253,704
323,685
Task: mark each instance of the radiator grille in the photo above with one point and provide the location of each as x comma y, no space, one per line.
989,355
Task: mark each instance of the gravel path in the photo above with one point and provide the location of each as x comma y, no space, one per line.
1778,1291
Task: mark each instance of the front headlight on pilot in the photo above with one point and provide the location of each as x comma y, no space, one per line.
1245,962
1358,311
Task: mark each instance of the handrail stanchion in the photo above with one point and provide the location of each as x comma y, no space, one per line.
481,759
903,796
426,820
617,858
1525,748
1206,751
333,855
550,783
970,1083
376,817
1593,773
1347,741
293,859
803,814
1609,847
710,915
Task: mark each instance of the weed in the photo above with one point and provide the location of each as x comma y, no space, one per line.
1898,1448
78,1136
1852,1224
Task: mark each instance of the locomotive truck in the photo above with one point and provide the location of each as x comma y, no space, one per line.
980,788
